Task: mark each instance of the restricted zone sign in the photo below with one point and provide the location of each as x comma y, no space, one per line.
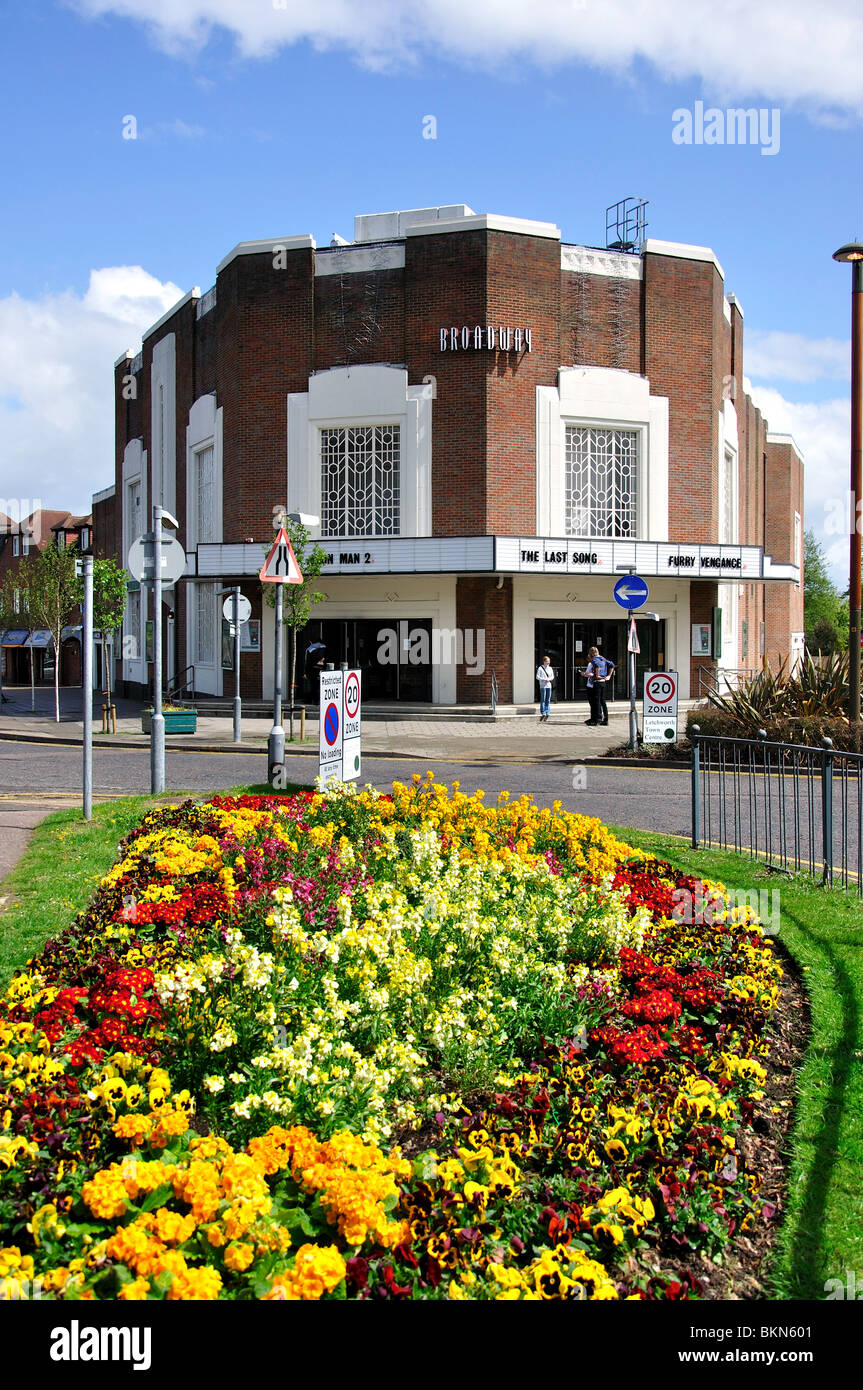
339,737
660,707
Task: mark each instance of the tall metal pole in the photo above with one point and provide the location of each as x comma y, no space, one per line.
157,732
633,712
87,635
276,744
238,704
854,601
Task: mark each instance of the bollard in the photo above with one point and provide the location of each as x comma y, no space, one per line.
302,723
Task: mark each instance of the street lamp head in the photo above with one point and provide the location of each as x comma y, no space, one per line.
303,519
853,251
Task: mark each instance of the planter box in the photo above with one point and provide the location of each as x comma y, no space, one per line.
177,721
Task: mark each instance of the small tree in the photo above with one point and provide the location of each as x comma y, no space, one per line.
109,605
299,599
53,593
825,615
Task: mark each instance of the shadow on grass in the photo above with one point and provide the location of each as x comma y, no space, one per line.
818,1128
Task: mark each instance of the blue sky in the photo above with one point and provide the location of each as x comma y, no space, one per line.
254,120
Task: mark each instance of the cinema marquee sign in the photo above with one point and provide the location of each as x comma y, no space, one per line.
573,556
486,339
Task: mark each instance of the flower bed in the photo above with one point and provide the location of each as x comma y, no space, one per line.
201,1080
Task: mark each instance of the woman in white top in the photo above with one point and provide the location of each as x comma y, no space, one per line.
545,676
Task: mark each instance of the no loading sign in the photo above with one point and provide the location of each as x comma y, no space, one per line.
331,725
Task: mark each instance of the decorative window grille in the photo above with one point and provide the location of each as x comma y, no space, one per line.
727,499
206,494
601,482
132,625
135,519
205,625
360,476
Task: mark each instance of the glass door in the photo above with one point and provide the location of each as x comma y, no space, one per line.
568,640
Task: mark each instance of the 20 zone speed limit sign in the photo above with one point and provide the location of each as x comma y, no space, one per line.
660,707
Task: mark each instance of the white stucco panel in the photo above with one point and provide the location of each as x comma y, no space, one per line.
602,397
363,395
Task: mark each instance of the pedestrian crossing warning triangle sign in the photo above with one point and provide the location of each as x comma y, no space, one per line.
280,566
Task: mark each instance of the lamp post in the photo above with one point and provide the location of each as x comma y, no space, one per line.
853,252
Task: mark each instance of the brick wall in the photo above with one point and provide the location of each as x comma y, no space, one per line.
523,291
481,605
600,321
783,602
683,359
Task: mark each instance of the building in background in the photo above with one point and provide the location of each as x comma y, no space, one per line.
19,540
491,424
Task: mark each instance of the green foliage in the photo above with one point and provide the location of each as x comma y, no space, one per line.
298,599
109,605
825,615
109,595
815,689
821,1236
52,591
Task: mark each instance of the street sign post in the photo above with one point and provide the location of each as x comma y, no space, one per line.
660,707
280,567
87,643
159,573
351,727
630,591
141,559
237,610
243,610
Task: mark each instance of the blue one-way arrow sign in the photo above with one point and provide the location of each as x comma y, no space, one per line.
630,591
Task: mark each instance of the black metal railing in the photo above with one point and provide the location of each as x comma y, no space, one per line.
183,680
796,808
710,681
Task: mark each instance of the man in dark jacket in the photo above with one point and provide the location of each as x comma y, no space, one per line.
599,671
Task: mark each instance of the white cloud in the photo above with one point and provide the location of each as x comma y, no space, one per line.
782,50
56,382
794,357
178,129
822,432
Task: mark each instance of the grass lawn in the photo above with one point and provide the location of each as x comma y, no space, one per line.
58,872
822,932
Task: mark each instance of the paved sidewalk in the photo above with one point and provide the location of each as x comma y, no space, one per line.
18,820
564,738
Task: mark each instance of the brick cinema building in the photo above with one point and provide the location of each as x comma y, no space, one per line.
490,424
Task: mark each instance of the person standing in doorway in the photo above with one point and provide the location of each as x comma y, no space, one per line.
545,676
599,671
